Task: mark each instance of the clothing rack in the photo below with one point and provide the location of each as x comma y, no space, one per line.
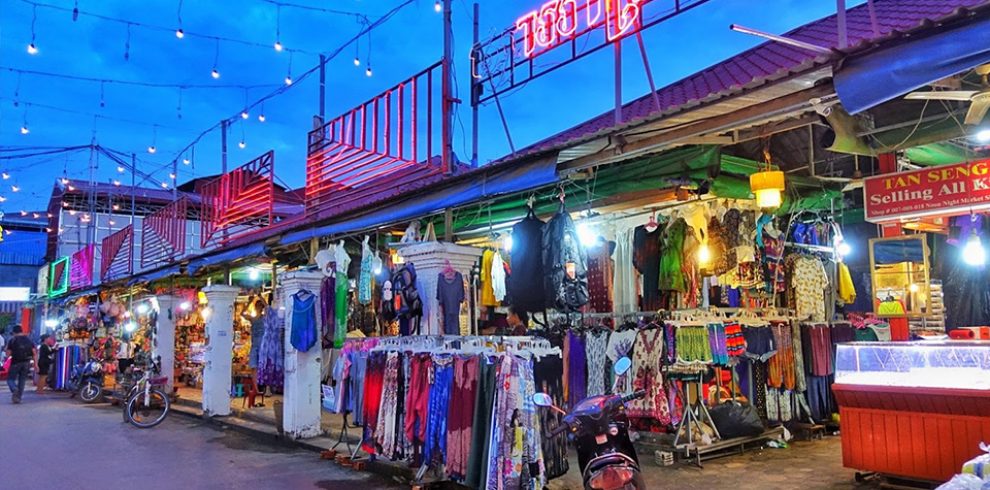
811,248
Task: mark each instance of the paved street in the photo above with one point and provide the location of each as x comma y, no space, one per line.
51,441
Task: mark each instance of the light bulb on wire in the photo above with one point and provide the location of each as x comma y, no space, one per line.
367,72
261,117
3,199
242,144
24,129
186,161
5,175
437,7
65,181
973,253
120,169
14,188
152,149
215,73
357,61
116,183
24,213
179,33
164,185
32,49
244,114
278,46
288,80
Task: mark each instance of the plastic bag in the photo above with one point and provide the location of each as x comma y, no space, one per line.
962,482
736,420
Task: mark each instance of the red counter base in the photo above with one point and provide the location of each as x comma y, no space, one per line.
920,433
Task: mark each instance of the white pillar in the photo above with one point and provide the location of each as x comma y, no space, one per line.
301,411
219,349
430,259
165,341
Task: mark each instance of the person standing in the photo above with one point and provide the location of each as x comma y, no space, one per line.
46,357
21,351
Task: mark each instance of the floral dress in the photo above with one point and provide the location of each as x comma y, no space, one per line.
646,375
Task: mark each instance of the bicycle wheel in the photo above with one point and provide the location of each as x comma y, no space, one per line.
147,415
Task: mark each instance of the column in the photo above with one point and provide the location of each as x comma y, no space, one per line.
219,349
301,410
430,259
164,347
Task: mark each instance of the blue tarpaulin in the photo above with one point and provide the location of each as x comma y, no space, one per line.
241,252
501,181
154,275
873,78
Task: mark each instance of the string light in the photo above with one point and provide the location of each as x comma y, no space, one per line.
15,188
186,161
164,185
120,169
437,7
288,75
154,141
357,53
36,215
244,114
171,176
242,145
32,49
368,71
65,181
216,57
3,199
116,207
5,175
278,28
24,125
116,183
179,33
261,117
24,213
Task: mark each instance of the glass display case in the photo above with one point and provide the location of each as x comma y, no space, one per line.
924,364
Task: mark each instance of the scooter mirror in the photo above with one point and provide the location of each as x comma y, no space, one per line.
621,366
542,400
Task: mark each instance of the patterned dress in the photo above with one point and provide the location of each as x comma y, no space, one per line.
646,375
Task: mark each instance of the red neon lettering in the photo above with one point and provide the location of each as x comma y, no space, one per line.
558,20
546,25
527,24
621,19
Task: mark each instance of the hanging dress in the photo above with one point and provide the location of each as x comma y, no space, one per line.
343,262
304,332
364,278
647,352
671,272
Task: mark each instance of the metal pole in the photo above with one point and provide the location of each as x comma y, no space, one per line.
448,225
323,88
133,187
873,18
447,102
840,17
224,126
618,81
649,72
474,103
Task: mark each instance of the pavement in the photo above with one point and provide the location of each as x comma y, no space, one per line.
51,441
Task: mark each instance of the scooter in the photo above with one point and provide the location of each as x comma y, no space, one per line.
87,381
600,429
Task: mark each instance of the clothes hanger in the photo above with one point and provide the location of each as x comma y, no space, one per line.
652,224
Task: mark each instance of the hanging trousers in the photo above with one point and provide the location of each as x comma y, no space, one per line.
417,399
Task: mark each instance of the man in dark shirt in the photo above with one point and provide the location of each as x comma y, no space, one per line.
46,357
21,351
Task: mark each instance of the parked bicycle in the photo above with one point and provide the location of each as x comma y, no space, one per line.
146,403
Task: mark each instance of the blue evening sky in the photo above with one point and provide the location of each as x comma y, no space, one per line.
410,41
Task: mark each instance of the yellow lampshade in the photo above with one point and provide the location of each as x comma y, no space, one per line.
767,186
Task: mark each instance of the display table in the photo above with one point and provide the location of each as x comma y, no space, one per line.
913,409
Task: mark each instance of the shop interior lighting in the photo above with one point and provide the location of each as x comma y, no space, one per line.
51,323
973,253
507,243
254,274
704,254
376,265
130,327
843,248
983,136
913,288
185,306
587,235
141,309
768,186
206,313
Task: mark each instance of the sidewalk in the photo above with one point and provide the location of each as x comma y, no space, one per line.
808,464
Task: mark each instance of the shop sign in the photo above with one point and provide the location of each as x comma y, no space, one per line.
559,21
81,271
947,190
58,277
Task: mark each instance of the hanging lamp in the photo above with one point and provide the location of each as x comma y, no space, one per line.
767,184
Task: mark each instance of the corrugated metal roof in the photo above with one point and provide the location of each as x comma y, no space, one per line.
766,62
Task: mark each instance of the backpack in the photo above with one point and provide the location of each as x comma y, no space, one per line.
21,349
565,264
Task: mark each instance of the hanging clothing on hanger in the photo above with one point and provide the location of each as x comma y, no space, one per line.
343,287
366,274
526,284
487,286
450,295
304,332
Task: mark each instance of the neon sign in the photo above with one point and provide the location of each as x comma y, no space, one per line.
559,21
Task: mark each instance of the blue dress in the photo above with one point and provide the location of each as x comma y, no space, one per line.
304,331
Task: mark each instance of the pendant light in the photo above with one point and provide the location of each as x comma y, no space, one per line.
767,184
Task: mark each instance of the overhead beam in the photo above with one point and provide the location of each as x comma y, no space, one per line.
780,107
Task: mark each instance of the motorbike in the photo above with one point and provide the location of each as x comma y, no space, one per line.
600,430
87,381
